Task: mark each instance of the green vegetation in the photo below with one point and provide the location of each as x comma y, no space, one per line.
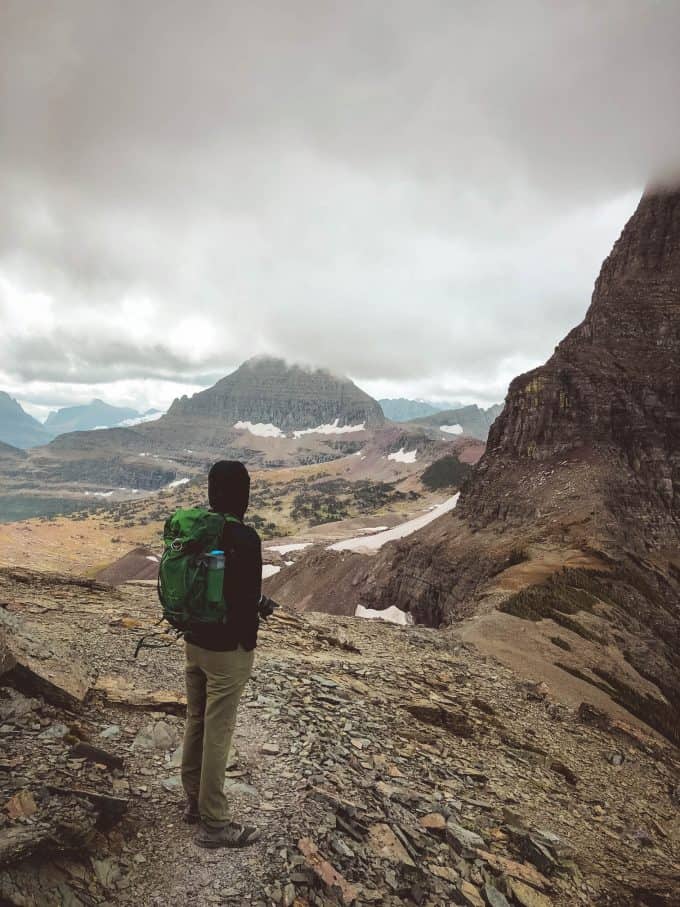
336,499
25,507
447,472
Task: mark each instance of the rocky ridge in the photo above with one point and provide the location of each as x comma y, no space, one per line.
568,528
611,391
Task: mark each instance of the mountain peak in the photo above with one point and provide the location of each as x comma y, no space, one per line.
613,385
269,390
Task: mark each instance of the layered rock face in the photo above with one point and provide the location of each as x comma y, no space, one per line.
612,388
571,520
269,391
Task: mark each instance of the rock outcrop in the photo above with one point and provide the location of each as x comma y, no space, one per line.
270,391
611,391
563,556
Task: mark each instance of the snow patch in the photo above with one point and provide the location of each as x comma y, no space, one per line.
392,615
452,429
177,482
375,542
138,420
403,456
99,494
293,546
261,429
269,570
333,428
152,557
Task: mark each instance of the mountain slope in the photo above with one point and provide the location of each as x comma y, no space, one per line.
465,420
17,428
563,557
95,414
401,409
585,460
289,397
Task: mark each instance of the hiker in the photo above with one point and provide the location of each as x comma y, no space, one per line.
219,660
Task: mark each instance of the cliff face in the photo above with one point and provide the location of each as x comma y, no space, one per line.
569,527
611,391
288,396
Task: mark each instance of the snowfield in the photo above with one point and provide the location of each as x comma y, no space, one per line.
261,429
452,429
293,546
331,429
267,430
269,570
138,420
403,456
177,483
392,615
375,542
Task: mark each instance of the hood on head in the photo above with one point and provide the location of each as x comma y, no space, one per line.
229,487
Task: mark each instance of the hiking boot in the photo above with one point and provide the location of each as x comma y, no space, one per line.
191,814
231,835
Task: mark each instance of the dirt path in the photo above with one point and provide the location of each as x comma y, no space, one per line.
423,772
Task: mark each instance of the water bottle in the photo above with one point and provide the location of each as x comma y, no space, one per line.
215,579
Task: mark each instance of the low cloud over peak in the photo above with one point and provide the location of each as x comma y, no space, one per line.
416,195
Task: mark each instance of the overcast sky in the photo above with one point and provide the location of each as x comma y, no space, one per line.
415,193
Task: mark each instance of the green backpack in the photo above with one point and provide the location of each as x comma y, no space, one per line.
189,536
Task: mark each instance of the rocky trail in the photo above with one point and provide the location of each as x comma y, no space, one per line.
384,765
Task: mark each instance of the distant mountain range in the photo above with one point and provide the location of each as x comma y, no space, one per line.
400,409
90,415
19,429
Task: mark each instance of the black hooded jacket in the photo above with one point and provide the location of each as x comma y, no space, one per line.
228,493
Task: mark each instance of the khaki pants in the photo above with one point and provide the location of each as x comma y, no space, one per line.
215,681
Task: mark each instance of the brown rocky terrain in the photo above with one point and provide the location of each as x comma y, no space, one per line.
563,557
384,766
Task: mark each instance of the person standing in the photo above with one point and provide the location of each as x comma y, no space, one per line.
219,661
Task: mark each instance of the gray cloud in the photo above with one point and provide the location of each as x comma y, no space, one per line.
416,194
